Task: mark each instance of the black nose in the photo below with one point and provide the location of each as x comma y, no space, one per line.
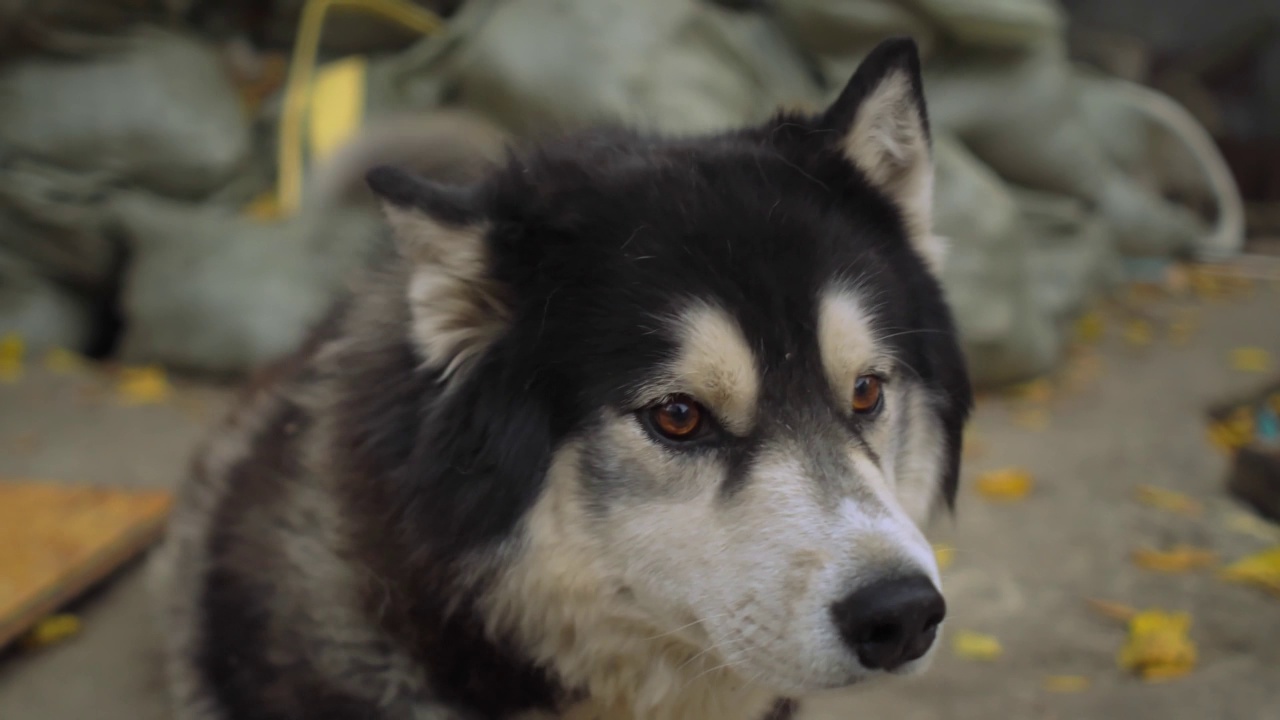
891,622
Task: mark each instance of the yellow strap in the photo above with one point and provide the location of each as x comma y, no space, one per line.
298,86
337,105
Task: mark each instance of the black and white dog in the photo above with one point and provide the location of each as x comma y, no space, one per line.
636,427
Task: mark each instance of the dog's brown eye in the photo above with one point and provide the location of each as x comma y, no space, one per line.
866,394
677,418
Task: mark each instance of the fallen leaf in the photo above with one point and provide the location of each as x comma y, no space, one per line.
1112,609
63,361
1250,359
1233,433
264,208
1246,523
1037,391
1140,293
1182,328
1206,285
1066,683
1262,570
12,350
1168,500
1007,484
1034,418
1138,333
143,386
1158,647
976,646
945,555
1090,327
1082,369
1180,558
53,629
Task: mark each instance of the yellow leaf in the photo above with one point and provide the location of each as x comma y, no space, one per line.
143,386
1138,333
976,646
1180,558
1158,647
1082,370
1066,683
1038,391
1168,500
1251,359
1246,523
52,629
1206,285
1112,609
1034,418
1235,432
1090,328
63,361
1262,570
12,350
265,207
1007,484
1182,328
945,555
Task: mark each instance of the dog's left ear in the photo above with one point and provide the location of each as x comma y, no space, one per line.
883,130
457,307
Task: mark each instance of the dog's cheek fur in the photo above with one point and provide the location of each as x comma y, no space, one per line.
565,595
638,574
918,454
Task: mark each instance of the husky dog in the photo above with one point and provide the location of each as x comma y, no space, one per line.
634,427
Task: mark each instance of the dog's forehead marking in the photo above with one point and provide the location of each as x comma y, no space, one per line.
714,363
847,339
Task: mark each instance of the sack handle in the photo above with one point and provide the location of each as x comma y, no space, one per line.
302,71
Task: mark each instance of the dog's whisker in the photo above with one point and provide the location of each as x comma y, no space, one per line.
687,626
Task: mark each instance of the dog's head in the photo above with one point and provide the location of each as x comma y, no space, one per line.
706,388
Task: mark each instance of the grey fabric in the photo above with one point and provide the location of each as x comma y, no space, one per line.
1006,334
43,313
218,292
1046,180
159,111
56,254
671,65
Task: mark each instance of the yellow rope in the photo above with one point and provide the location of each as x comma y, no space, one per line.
302,70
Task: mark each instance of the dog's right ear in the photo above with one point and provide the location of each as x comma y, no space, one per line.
458,309
883,130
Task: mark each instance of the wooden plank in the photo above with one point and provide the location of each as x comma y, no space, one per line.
57,540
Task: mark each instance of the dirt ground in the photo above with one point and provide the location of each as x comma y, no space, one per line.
1021,571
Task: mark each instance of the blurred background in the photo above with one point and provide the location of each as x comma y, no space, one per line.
181,197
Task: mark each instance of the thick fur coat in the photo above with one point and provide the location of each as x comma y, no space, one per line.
625,430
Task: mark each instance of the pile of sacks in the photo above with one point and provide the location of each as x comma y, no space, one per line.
127,161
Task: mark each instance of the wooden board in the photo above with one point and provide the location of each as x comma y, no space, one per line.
57,540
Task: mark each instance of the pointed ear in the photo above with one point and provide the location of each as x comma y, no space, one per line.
456,306
883,130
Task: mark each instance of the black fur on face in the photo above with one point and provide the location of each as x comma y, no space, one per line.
597,237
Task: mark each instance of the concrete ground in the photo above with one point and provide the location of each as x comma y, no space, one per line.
1022,570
